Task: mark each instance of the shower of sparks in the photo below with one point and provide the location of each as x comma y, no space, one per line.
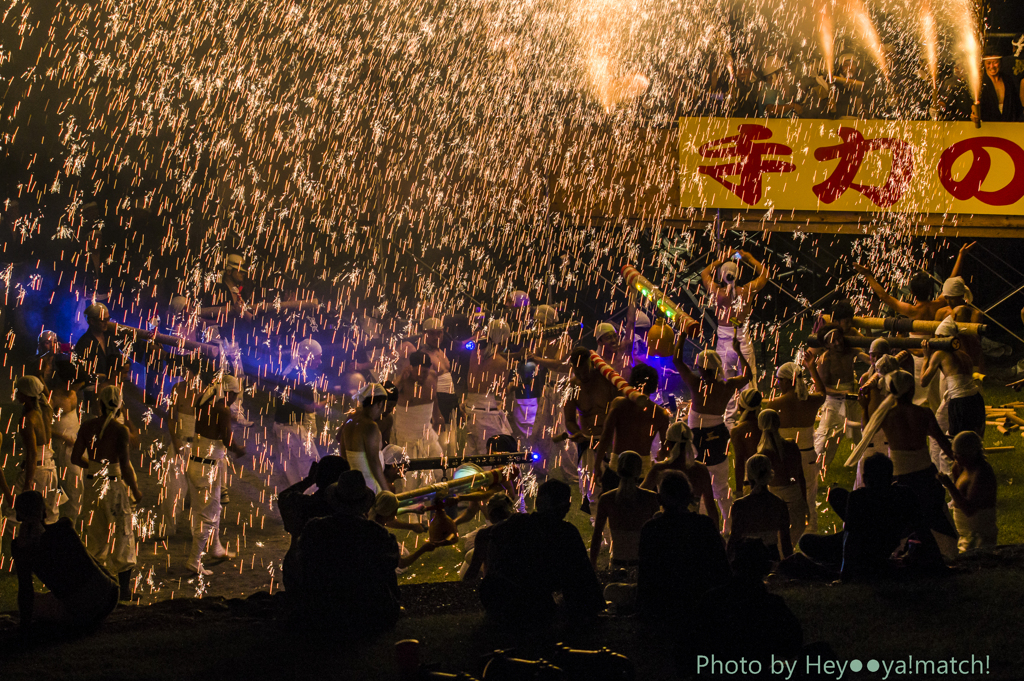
868,34
826,36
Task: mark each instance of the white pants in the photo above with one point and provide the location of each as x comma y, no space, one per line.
558,457
524,415
109,522
46,483
295,450
797,507
70,477
731,364
833,426
204,486
481,425
173,485
723,492
414,432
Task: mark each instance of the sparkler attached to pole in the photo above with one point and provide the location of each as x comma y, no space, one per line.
664,304
618,381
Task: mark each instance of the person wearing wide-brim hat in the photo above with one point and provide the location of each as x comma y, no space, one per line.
344,577
350,495
1000,99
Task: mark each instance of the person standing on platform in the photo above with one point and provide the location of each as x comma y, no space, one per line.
733,303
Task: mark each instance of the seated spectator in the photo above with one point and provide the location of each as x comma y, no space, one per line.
761,515
742,619
625,510
345,568
498,509
533,556
682,555
973,489
297,508
81,592
877,518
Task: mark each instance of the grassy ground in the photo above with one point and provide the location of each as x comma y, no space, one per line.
973,612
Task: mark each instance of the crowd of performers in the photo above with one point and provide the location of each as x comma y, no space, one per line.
628,407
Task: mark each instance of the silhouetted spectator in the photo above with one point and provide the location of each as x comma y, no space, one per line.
81,592
533,556
682,555
346,564
297,508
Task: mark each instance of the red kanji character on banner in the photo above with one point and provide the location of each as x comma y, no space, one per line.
751,164
851,154
981,163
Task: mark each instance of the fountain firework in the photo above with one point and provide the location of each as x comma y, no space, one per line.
868,35
930,42
826,36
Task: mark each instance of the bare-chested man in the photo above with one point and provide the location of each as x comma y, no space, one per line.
207,470
102,449
958,306
360,437
872,392
711,395
924,308
733,303
417,416
745,436
631,427
797,408
788,480
487,379
972,487
585,412
682,458
549,356
38,471
835,367
57,373
626,508
440,365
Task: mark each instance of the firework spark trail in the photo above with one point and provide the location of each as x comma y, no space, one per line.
319,129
